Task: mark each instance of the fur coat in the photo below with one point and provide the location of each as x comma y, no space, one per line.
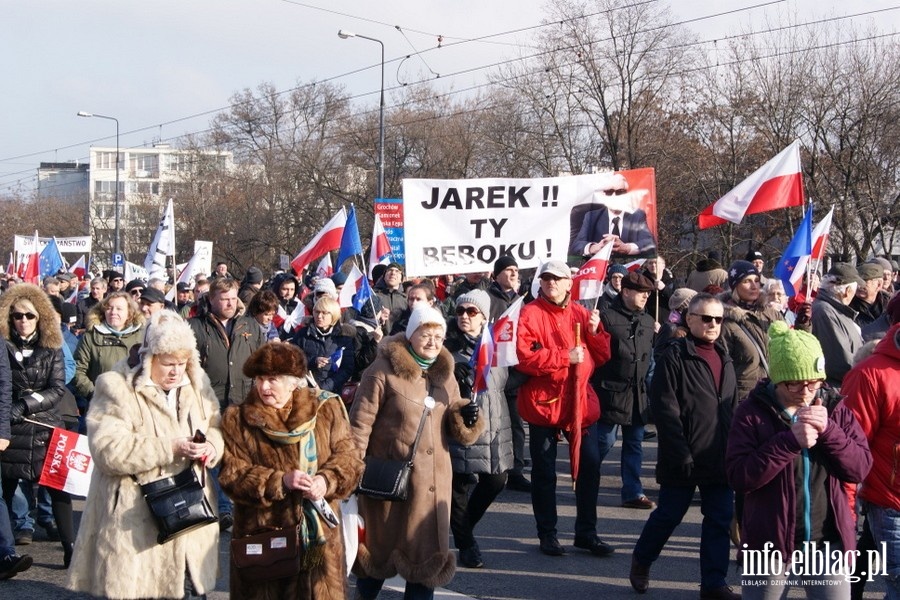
409,538
252,476
130,430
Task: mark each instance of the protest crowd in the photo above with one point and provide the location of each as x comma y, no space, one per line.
287,407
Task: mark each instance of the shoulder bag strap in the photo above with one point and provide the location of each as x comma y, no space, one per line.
412,452
759,350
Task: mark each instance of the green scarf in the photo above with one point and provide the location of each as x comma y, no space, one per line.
423,363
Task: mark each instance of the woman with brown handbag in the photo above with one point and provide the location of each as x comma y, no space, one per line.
289,460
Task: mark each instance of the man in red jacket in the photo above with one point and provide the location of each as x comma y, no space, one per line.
559,343
872,390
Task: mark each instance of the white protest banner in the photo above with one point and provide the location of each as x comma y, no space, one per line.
24,244
204,260
464,225
133,271
68,464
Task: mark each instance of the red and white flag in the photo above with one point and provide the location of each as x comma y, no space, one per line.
68,465
351,286
32,273
380,251
776,184
819,242
79,268
506,332
635,265
325,270
588,282
328,239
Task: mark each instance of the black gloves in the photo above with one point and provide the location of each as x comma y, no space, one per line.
463,374
469,413
17,412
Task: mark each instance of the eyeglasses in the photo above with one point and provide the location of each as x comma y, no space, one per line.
18,316
796,387
615,192
709,318
467,310
437,339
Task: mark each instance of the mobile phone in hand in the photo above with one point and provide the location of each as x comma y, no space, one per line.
199,437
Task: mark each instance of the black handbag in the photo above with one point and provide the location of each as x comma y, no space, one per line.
388,479
268,555
178,504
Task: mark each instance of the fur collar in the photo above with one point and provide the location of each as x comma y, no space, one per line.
404,365
96,316
48,319
304,406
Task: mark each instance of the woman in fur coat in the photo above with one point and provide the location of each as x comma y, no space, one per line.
412,376
274,470
140,428
34,344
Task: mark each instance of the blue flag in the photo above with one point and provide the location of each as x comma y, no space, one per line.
799,247
351,245
51,260
363,293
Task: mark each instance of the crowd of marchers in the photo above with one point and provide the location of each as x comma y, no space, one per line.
783,412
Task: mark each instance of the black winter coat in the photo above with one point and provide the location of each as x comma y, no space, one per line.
5,393
43,373
315,345
620,381
692,418
223,356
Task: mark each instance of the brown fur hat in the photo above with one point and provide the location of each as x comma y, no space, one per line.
276,358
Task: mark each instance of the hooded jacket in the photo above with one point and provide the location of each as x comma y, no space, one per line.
130,430
745,335
545,336
38,383
101,348
872,391
252,475
760,461
409,538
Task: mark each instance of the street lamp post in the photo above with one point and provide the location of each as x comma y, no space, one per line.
82,113
343,34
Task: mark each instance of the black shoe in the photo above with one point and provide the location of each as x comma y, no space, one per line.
471,558
551,546
639,576
68,547
52,532
225,521
24,537
518,483
595,546
12,564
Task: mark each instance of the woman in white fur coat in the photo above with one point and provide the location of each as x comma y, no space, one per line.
141,422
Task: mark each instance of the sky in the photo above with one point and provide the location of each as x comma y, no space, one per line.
163,68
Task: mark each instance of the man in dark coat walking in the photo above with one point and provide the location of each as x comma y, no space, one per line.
693,393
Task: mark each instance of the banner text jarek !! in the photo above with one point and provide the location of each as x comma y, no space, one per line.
463,226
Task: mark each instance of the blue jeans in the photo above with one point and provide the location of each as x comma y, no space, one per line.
885,526
225,505
632,455
542,444
369,589
7,541
24,502
716,505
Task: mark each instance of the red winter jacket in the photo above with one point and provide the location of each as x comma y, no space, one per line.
545,336
872,390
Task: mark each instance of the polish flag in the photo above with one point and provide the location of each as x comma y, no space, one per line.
288,322
32,272
380,250
328,239
79,268
635,265
68,465
588,282
350,287
776,184
506,331
325,269
819,242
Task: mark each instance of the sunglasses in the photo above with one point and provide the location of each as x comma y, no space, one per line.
615,192
18,316
709,318
467,310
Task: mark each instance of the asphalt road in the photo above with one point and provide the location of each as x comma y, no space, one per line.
514,568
